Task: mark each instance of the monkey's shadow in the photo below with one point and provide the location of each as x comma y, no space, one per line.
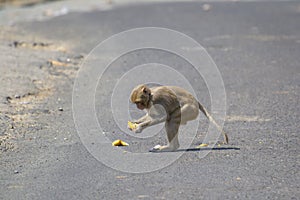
201,149
210,149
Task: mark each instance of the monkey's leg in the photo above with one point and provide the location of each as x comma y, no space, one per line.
172,135
189,112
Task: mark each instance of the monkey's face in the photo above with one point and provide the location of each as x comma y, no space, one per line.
140,105
142,100
141,97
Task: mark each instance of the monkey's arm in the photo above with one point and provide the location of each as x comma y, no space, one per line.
152,118
155,116
142,119
149,122
153,121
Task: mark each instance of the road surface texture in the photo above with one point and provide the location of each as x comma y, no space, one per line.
256,46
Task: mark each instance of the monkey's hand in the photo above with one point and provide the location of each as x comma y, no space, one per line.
138,129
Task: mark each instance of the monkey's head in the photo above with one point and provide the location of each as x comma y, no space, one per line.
141,96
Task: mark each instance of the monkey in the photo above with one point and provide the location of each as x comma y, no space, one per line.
170,104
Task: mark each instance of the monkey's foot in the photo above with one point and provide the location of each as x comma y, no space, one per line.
159,148
155,149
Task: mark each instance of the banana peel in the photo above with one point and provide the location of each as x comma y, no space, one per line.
132,125
119,143
203,145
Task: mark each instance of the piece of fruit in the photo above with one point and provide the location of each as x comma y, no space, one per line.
132,125
119,143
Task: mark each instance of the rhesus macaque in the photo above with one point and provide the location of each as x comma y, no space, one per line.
170,104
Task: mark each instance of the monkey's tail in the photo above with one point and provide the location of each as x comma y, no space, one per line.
210,118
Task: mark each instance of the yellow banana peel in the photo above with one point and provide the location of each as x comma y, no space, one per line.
203,145
119,143
132,125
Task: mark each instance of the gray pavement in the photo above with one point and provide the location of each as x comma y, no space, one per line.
256,47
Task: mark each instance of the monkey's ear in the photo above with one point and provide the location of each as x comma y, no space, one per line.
146,90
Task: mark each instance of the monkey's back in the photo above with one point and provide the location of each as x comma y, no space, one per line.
172,97
183,96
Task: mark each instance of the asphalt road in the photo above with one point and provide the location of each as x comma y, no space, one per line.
256,46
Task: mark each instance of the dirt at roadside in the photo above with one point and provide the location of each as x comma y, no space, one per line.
30,69
21,2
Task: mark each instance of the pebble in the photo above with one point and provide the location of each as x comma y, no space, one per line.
206,7
143,196
64,59
60,109
8,98
79,56
49,63
24,102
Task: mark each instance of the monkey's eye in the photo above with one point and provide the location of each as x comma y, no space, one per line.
139,103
